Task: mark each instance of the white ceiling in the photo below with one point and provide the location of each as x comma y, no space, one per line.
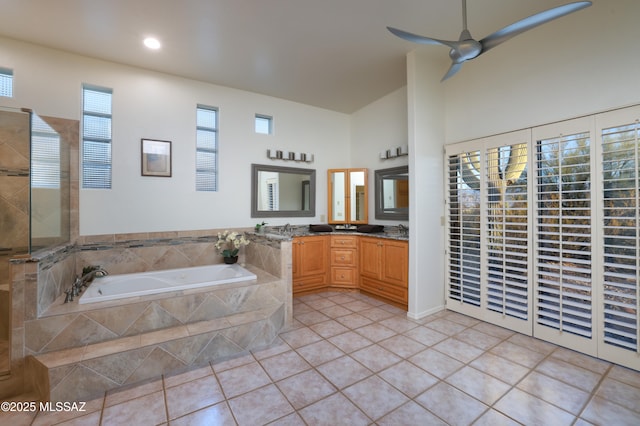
334,54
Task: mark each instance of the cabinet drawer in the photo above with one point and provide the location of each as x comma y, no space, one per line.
343,276
344,241
389,291
346,257
311,282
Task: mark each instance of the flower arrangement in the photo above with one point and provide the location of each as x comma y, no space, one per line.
229,243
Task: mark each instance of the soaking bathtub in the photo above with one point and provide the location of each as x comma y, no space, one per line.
113,287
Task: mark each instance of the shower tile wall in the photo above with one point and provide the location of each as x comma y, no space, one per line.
14,210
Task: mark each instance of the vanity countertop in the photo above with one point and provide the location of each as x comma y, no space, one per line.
392,233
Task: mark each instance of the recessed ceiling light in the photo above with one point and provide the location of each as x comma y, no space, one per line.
152,43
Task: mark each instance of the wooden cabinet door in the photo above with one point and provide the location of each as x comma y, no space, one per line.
370,257
395,262
313,253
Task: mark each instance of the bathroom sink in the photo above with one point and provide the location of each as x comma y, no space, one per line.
276,236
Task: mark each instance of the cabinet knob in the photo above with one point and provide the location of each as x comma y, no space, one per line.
342,258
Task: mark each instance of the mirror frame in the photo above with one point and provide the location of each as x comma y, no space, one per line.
381,213
255,171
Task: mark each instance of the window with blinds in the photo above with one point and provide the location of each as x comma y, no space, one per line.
6,82
96,137
564,252
463,194
206,148
507,230
621,234
45,155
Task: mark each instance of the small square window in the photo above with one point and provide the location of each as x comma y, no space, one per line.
6,82
264,124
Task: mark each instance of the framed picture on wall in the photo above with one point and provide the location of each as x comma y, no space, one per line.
156,158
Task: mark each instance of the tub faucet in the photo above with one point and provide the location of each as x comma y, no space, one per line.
96,271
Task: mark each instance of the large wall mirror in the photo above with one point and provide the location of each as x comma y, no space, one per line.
282,191
392,193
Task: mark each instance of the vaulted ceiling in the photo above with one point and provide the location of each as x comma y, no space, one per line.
333,54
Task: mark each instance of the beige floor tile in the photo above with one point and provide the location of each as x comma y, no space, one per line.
582,360
332,411
311,318
445,326
600,411
344,371
402,346
529,410
493,330
336,311
300,337
278,346
569,373
375,397
410,414
518,354
478,339
245,378
408,378
284,365
319,352
305,388
501,368
292,419
376,314
436,363
350,341
329,328
459,350
129,392
479,385
426,336
321,303
620,393
92,419
358,305
451,405
233,362
375,332
399,324
260,406
625,375
218,414
354,320
375,358
149,409
555,392
496,418
187,376
194,395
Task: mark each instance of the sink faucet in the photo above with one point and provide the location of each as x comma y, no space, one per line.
286,229
404,230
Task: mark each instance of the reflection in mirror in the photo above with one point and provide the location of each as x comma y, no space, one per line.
347,196
282,191
392,193
358,195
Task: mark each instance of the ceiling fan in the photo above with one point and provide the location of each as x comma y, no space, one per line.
467,48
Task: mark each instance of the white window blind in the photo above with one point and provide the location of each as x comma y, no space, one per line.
45,155
96,138
6,82
621,234
206,149
563,275
463,183
507,230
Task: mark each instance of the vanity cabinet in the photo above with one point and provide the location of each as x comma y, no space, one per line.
384,268
309,263
344,261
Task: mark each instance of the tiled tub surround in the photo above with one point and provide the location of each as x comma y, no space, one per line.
80,350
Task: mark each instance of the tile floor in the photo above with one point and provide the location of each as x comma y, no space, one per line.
352,360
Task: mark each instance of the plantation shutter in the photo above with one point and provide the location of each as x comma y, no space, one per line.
563,277
620,271
464,231
507,234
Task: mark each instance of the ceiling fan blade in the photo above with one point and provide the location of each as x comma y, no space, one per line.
454,68
420,39
533,21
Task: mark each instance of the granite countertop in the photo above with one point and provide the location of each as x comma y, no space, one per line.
391,232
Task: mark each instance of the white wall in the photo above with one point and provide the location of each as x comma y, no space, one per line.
580,64
159,106
583,63
377,127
